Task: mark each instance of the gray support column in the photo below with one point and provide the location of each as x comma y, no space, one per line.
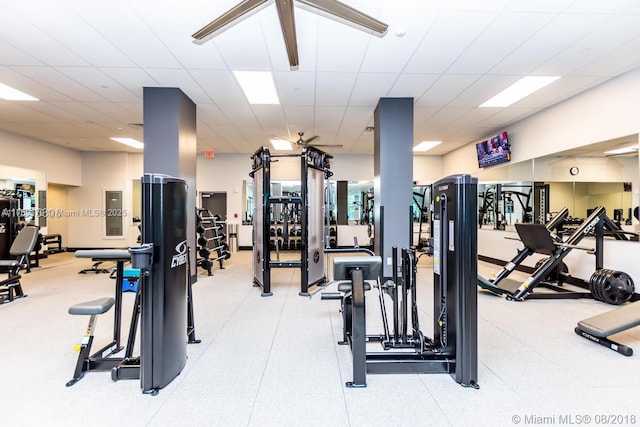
170,146
342,207
393,176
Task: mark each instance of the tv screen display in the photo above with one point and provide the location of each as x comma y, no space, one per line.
493,151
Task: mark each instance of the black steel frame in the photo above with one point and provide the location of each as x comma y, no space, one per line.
311,158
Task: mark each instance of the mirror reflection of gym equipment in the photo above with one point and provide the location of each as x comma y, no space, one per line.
551,272
501,205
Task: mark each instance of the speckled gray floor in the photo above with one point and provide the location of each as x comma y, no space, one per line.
274,361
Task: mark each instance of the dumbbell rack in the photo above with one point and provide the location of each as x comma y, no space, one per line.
211,240
286,233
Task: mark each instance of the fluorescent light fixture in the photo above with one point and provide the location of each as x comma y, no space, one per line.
257,86
281,144
130,142
523,87
624,150
10,94
426,145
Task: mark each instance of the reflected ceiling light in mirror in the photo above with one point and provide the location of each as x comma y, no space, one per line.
520,89
624,150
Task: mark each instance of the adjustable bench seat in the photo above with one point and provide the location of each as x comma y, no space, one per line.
601,326
97,306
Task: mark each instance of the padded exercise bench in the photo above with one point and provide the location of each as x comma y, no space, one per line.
100,360
86,360
22,246
120,257
598,328
53,239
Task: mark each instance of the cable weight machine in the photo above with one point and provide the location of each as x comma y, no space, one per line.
314,170
405,349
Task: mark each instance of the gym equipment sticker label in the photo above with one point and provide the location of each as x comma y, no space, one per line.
180,257
436,246
451,236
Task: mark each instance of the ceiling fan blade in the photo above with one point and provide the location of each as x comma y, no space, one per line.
334,8
288,24
240,11
310,140
327,145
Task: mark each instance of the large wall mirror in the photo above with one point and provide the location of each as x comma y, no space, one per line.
603,174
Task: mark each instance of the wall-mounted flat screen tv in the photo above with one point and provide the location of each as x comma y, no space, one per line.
493,151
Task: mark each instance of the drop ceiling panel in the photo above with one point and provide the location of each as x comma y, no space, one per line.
295,88
14,55
65,26
327,116
12,112
116,112
340,48
595,6
58,81
391,53
560,89
131,35
39,44
422,114
243,47
551,40
445,89
445,116
180,78
220,86
240,115
412,85
127,45
334,88
211,115
492,46
538,5
481,90
297,119
133,79
370,87
174,26
84,112
266,114
503,117
358,116
95,80
446,40
613,33
616,61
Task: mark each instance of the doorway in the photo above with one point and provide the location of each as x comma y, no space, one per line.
215,202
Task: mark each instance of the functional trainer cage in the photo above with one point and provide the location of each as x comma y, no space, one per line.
314,170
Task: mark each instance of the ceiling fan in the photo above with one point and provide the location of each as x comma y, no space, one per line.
304,143
331,8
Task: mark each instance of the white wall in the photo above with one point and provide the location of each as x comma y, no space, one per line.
61,165
609,111
102,171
